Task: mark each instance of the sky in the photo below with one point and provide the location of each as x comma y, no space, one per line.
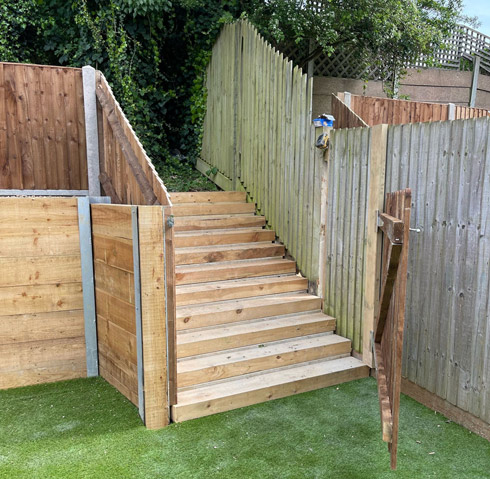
481,9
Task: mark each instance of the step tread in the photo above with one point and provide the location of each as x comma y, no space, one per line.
253,331
253,325
216,209
208,196
208,222
237,283
266,379
194,363
231,264
227,247
237,304
215,232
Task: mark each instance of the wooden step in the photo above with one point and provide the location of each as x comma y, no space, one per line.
259,357
195,223
235,335
239,288
209,197
208,398
203,273
214,254
198,209
219,237
201,315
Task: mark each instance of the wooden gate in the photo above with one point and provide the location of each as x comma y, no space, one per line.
387,338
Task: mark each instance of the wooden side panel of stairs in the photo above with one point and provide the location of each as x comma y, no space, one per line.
247,330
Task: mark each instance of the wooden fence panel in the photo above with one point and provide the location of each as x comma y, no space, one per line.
447,335
42,128
346,230
377,111
127,174
41,318
259,135
344,116
132,310
115,297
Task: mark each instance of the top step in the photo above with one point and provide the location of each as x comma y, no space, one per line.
209,197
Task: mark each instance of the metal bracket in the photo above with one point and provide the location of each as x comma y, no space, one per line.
170,221
415,230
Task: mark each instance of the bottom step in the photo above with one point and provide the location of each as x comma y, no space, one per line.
219,396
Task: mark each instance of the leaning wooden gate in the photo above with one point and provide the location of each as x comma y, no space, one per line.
387,338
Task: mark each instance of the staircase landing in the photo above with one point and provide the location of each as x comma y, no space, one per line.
247,329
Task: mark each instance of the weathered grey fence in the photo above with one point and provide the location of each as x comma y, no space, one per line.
258,134
348,183
447,336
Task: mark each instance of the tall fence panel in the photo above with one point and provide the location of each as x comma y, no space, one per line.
346,230
259,136
447,337
42,128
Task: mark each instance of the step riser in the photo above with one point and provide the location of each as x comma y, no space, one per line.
205,408
230,255
223,274
262,311
222,294
245,221
261,364
255,337
198,209
223,238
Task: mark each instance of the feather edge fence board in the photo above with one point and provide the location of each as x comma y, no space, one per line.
258,133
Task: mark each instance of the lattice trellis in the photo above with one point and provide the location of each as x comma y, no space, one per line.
463,44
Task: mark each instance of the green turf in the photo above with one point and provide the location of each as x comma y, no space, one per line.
85,428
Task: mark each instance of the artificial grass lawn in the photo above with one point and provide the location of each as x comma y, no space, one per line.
85,428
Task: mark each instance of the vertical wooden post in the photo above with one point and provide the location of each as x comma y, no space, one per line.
91,130
323,157
376,189
474,81
152,275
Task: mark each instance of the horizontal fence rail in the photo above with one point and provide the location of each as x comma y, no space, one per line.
259,136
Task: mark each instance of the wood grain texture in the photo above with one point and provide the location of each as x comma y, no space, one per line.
133,177
390,320
153,308
42,132
115,297
377,111
41,319
447,324
259,136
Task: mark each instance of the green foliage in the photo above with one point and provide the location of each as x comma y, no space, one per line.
154,53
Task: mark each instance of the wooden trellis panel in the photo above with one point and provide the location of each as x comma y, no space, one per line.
390,317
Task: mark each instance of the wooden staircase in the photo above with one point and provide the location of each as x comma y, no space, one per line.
247,330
